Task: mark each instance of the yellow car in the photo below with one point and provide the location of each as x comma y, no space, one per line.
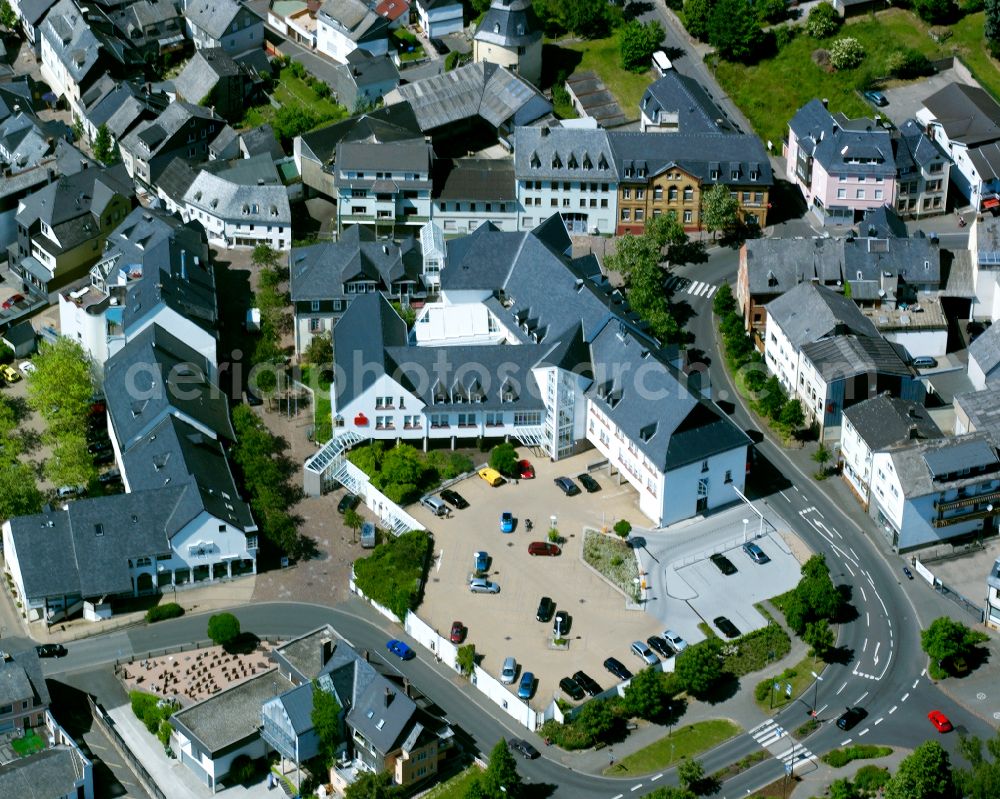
10,374
491,476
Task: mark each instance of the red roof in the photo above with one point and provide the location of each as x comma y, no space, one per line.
392,9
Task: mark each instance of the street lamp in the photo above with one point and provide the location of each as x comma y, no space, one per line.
816,690
745,523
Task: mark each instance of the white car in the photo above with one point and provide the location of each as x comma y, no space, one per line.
26,367
675,641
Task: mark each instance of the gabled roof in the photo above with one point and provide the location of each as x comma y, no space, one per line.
968,114
355,19
915,150
563,153
808,313
72,39
883,223
367,328
985,351
203,72
52,772
477,179
151,137
929,467
34,11
387,124
885,420
843,357
675,93
213,16
234,194
837,143
364,69
21,652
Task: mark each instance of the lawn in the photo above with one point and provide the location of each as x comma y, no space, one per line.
799,675
456,787
613,558
290,90
771,91
685,742
29,743
600,56
967,40
323,410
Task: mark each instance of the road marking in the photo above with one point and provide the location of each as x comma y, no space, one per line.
618,797
636,787
818,513
864,732
842,687
905,697
821,709
854,553
875,656
893,709
710,293
784,495
923,672
864,647
861,588
858,700
845,743
848,565
868,618
654,779
879,721
836,533
916,683
440,558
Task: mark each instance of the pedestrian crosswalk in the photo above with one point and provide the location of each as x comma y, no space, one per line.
775,739
695,288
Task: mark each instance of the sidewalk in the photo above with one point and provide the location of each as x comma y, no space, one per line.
816,782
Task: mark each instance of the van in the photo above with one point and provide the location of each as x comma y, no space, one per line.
435,505
924,362
69,492
661,63
491,476
367,535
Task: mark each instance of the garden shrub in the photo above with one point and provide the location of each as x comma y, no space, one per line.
168,610
393,575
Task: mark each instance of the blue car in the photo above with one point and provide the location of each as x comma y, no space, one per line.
400,649
527,686
506,522
482,561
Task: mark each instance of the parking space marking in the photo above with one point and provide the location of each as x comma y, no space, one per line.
842,687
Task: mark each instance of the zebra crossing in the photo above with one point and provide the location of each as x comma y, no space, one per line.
695,288
776,740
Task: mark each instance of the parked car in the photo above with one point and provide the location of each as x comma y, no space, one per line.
546,607
571,688
12,300
617,668
755,553
105,458
111,476
589,484
560,624
68,492
876,98
644,653
454,499
543,548
482,561
660,646
400,649
567,486
524,470
924,362
527,686
51,650
10,374
506,522
491,476
523,748
26,367
673,640
435,505
724,564
348,502
851,717
100,445
457,632
508,670
480,585
369,535
940,721
254,400
726,627
587,683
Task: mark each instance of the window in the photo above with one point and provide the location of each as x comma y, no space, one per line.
688,194
859,194
314,305
729,476
639,214
672,194
841,194
640,194
704,466
658,193
626,215
688,217
314,325
626,194
604,203
878,194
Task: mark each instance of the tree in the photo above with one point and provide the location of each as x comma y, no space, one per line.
466,658
819,636
264,257
104,147
720,210
293,120
770,11
353,520
846,53
637,258
843,789
946,639
982,780
724,303
773,398
734,30
60,389
646,695
925,774
503,458
823,21
792,417
991,26
633,255
223,628
596,719
821,455
588,18
19,494
690,773
637,43
70,464
7,16
622,528
502,771
373,785
402,465
697,14
670,792
699,667
320,350
665,230
325,718
936,12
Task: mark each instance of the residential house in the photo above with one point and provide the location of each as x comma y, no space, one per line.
364,79
396,11
438,18
32,13
325,278
519,300
120,106
294,19
669,174
154,27
13,190
343,26
945,490
26,141
223,23
915,329
213,79
470,191
569,171
182,130
260,140
676,103
992,610
62,227
923,170
976,411
984,359
20,337
876,424
984,251
965,122
73,57
64,771
510,36
24,697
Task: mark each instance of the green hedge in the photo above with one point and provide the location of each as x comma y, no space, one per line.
148,710
168,610
753,651
837,758
393,575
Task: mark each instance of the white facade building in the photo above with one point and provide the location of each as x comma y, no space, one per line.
343,26
440,17
237,214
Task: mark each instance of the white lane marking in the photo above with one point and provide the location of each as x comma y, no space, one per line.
923,672
842,687
818,513
836,533
864,596
848,565
858,700
619,796
440,558
904,697
654,779
868,619
875,656
864,732
636,787
784,495
879,721
854,553
821,709
709,295
893,709
842,743
864,646
916,683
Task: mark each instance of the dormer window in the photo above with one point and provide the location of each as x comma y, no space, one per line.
754,174
587,163
734,174
572,162
535,161
556,161
602,162
520,29
628,171
714,174
496,27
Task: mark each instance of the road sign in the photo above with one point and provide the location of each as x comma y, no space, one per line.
788,769
788,690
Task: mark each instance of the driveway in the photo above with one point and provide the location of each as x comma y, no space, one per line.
504,624
905,101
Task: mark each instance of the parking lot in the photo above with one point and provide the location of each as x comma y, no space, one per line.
504,624
906,100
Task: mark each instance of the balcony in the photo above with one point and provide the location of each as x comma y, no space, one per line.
992,497
965,517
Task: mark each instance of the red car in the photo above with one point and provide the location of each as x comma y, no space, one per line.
9,303
525,470
457,632
940,721
543,548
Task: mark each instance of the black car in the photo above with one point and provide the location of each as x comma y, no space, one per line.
660,646
545,609
98,446
724,564
253,400
454,499
726,627
571,688
587,683
348,502
560,626
97,433
851,717
104,458
589,483
50,650
617,668
112,476
523,748
567,486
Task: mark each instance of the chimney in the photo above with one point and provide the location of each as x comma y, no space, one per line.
545,131
388,696
914,434
826,102
327,651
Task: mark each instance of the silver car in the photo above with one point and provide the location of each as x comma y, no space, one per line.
644,653
508,671
480,585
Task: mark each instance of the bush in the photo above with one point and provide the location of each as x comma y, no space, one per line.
163,734
908,64
393,575
838,758
150,710
169,610
846,53
783,35
753,651
871,778
223,628
823,21
451,61
622,528
242,769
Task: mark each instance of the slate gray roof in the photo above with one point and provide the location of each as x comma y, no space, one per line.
212,16
231,195
305,654
563,153
885,420
202,73
986,160
366,329
844,357
390,123
72,39
915,150
364,69
808,313
479,89
882,222
14,683
675,93
971,453
477,179
929,467
260,141
233,715
177,177
982,410
834,140
43,775
34,11
152,136
985,351
699,154
355,19
509,23
18,334
297,705
968,114
412,156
